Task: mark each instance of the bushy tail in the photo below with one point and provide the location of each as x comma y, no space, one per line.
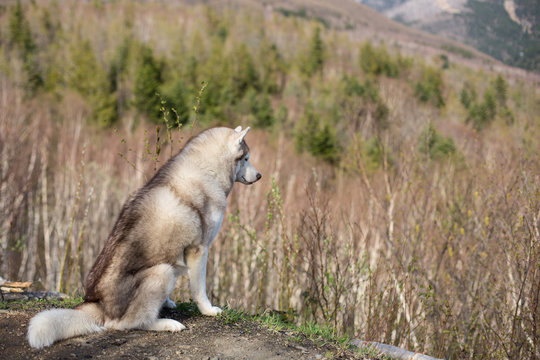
51,325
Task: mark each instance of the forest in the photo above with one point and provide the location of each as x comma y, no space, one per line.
400,199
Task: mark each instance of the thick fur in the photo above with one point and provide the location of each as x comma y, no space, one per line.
50,325
164,230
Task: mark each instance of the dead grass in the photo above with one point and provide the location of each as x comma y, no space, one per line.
438,256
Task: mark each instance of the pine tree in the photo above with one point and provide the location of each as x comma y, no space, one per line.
20,39
316,138
368,59
147,82
324,144
465,98
261,108
490,103
272,67
315,56
89,79
175,96
429,87
377,61
244,75
20,33
501,90
434,144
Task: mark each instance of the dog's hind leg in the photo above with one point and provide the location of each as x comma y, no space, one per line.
156,283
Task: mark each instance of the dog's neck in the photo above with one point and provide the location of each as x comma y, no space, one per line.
225,178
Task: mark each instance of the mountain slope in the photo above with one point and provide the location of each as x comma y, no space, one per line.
362,22
366,23
505,29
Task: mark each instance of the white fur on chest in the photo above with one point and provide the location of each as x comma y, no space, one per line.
215,220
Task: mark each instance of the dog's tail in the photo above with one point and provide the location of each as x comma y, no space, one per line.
51,325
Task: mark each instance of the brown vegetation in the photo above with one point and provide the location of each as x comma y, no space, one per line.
400,222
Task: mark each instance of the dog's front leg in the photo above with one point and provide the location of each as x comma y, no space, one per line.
196,262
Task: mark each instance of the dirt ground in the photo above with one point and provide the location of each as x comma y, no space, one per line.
206,338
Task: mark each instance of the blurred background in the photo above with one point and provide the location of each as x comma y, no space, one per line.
400,198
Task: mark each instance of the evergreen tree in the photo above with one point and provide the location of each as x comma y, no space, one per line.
118,72
429,87
105,107
316,55
272,67
219,90
319,140
434,144
501,90
88,78
369,101
478,115
19,31
483,113
261,108
324,144
176,103
243,73
147,82
366,90
306,128
368,60
83,69
467,96
20,39
490,103
377,61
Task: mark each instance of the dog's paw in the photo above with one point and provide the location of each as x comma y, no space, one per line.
166,325
169,304
211,311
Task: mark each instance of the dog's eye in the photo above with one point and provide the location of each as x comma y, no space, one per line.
246,159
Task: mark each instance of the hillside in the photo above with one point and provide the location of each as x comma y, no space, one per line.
442,31
506,30
400,196
363,23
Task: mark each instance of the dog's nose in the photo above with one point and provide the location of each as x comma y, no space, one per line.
259,176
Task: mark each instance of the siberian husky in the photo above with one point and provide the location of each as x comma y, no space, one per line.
163,230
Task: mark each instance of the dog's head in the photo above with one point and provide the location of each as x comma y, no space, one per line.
245,172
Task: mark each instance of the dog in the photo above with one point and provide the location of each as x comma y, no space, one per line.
163,231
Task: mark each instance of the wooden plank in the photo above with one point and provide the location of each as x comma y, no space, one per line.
17,284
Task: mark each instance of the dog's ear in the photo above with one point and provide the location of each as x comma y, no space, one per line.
238,129
242,133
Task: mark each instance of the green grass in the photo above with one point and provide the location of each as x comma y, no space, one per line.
40,304
370,353
320,334
233,316
189,308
